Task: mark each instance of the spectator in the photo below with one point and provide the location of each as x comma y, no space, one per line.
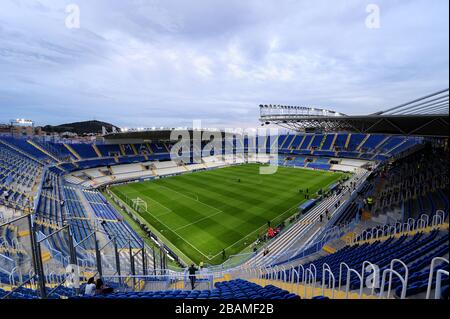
90,288
101,288
192,277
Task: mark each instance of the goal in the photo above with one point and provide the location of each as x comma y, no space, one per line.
139,205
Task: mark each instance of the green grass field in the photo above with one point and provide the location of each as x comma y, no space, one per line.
205,212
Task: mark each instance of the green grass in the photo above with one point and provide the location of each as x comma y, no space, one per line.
204,212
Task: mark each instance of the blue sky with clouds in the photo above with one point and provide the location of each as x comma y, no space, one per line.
166,62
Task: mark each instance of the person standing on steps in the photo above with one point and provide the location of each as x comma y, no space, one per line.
192,277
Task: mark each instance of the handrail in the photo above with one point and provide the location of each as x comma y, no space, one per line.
14,220
439,212
9,260
268,275
303,273
310,278
437,292
292,272
430,277
375,272
12,279
275,273
283,271
340,272
391,271
29,280
426,216
436,220
393,229
331,280
361,286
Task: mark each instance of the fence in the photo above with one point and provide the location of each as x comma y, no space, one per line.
15,256
47,256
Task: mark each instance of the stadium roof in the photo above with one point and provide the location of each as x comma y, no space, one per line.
425,116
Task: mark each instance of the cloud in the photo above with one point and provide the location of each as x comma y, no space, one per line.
165,63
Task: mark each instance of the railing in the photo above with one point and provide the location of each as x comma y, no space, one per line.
306,283
440,273
386,230
7,265
18,261
391,271
331,280
430,277
170,281
298,279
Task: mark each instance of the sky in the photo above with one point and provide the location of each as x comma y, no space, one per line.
145,63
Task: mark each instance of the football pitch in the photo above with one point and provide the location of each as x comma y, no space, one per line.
205,212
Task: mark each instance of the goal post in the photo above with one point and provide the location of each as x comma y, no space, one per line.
138,204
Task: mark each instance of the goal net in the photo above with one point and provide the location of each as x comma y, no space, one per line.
139,205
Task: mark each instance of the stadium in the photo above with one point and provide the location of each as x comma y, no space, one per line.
314,203
140,208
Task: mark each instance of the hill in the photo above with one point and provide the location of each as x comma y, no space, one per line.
80,128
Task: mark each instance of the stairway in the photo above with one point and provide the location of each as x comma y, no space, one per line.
101,237
381,143
71,150
333,142
21,152
43,150
349,136
284,141
97,151
310,143
301,142
323,141
275,140
397,146
134,149
292,141
122,149
362,142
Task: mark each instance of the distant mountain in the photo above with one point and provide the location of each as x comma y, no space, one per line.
81,128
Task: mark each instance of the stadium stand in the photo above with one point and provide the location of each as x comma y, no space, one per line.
233,289
59,180
84,150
